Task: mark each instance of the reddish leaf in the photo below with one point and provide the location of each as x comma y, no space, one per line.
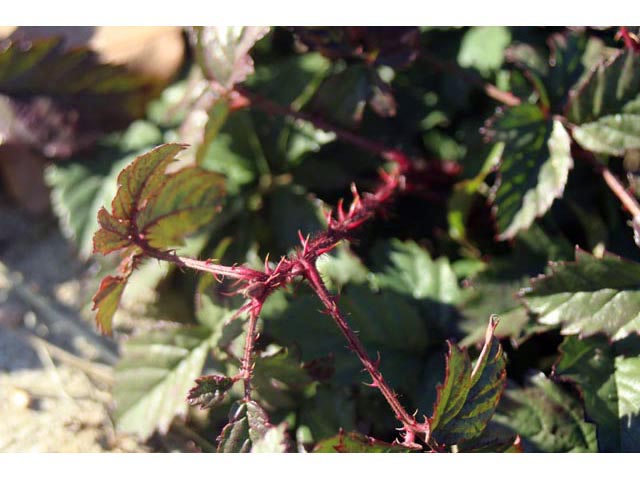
155,207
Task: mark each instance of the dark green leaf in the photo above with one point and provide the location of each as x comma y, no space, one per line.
608,380
588,296
534,168
249,430
546,417
209,390
611,85
468,397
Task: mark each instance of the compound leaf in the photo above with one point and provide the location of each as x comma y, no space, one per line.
469,396
591,295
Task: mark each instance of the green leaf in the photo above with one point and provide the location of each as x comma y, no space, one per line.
468,397
546,417
534,168
158,206
591,295
154,375
249,430
406,268
355,442
611,85
611,134
483,48
567,52
608,380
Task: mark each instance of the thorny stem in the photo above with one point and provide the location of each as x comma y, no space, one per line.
630,203
409,423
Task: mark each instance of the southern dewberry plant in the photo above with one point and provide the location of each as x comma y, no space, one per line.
499,150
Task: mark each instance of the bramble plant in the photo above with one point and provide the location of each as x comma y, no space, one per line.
499,149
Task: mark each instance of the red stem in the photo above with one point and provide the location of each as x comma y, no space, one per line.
246,369
409,423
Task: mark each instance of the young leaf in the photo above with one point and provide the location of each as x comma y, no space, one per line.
469,396
591,295
608,380
155,206
355,442
534,168
223,52
249,430
83,184
546,417
209,390
107,298
154,376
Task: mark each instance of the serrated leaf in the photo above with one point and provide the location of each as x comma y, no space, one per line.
610,86
468,397
591,295
223,52
84,184
62,100
483,48
611,134
546,417
249,430
566,63
154,376
158,206
534,168
608,380
354,442
209,391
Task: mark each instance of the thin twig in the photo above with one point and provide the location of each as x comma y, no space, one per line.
409,423
626,198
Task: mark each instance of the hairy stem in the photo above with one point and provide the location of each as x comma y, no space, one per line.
246,369
409,423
